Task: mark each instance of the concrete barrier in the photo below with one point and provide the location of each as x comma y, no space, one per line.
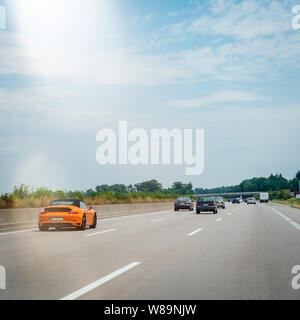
12,219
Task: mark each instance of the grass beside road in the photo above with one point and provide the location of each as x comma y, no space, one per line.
295,203
24,196
105,198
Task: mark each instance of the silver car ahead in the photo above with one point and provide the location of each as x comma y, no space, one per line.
220,202
183,203
251,201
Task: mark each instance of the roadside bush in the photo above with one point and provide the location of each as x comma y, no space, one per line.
42,192
25,196
59,194
6,200
22,191
280,195
76,194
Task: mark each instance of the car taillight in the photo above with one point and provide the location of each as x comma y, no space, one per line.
42,211
213,204
73,212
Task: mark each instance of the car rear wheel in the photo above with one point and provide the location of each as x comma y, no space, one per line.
93,226
216,211
83,223
197,211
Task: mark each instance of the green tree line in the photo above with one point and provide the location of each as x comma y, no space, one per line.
275,182
24,195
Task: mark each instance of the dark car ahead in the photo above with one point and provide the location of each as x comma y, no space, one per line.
206,204
236,200
183,203
220,202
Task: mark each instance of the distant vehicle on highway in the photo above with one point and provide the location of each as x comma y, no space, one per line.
206,204
251,201
183,203
220,202
236,200
67,213
264,197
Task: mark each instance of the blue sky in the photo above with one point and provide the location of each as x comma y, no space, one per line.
68,69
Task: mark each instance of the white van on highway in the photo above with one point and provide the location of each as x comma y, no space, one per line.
264,197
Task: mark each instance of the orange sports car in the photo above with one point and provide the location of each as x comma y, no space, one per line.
67,213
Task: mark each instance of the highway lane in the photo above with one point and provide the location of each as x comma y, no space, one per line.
62,255
244,252
288,211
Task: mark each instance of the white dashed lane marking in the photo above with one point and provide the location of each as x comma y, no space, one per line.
96,233
194,232
99,282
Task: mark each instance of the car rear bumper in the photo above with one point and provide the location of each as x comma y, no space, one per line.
206,208
183,206
59,225
68,221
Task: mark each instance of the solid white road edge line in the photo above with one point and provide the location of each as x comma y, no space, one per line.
99,282
194,232
290,221
13,232
96,233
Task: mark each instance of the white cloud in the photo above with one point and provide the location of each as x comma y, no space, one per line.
246,19
257,31
38,97
135,20
47,108
242,60
219,97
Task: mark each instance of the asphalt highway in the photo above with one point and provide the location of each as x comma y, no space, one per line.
243,252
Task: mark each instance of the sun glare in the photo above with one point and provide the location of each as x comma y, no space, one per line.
52,31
